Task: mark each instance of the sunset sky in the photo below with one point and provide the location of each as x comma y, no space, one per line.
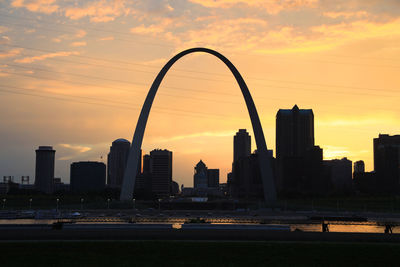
74,74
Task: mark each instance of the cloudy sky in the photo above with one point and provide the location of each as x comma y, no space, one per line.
74,74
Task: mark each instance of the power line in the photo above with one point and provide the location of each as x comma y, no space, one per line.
208,73
134,83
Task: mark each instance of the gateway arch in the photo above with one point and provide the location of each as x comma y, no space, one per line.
134,153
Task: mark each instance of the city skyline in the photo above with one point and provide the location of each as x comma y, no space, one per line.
353,99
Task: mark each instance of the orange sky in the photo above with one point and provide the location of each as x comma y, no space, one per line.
75,74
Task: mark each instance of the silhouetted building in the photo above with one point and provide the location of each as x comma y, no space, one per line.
161,172
174,188
246,178
294,132
387,163
200,179
213,178
366,183
143,181
359,167
340,172
44,170
116,162
241,145
299,163
88,176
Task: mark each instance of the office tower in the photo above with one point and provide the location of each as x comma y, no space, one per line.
143,181
44,170
359,167
213,178
294,132
245,179
200,179
174,188
340,172
88,176
116,161
387,163
241,145
161,172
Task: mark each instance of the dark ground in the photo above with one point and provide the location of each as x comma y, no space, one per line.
198,253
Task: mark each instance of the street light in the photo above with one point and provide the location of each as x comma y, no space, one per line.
58,200
82,203
30,203
4,203
133,203
108,203
159,204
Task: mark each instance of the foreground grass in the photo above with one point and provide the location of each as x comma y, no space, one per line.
176,253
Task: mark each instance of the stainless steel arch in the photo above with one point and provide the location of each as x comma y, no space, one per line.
264,161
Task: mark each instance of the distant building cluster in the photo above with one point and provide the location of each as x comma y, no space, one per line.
299,169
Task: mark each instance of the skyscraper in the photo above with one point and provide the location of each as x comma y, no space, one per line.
359,167
44,170
161,172
213,178
241,145
245,179
116,161
88,177
294,132
387,163
200,178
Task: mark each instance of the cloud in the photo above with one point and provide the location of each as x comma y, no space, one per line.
11,53
80,33
4,29
333,152
153,29
2,69
345,14
41,6
76,44
45,56
107,38
77,148
98,11
271,6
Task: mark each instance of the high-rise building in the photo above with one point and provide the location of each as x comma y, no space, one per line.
245,180
359,167
88,176
213,178
340,172
241,145
116,162
200,179
387,163
294,132
161,172
44,170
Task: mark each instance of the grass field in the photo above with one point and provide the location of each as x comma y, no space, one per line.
174,253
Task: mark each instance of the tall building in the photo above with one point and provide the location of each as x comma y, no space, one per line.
340,172
87,176
245,180
359,167
241,145
387,163
161,172
44,170
213,178
116,162
294,132
200,178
